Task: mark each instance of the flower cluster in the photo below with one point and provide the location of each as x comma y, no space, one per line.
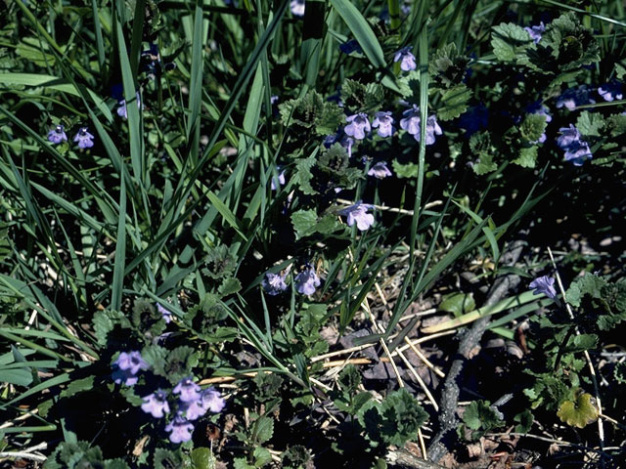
576,150
574,97
83,138
611,91
126,368
193,403
412,121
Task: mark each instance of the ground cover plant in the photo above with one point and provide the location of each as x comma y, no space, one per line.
312,234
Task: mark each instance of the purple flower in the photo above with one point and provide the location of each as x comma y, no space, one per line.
84,138
358,126
358,213
126,367
544,285
536,31
167,315
379,170
573,97
57,135
213,400
156,404
384,121
194,409
188,390
611,91
406,59
273,284
278,180
411,123
307,281
297,7
181,429
132,361
350,46
569,136
122,111
578,152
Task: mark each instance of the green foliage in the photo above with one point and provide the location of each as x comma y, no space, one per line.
599,298
481,417
311,114
393,421
78,455
458,303
510,42
578,413
448,67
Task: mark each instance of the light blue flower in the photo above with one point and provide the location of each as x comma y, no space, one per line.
536,31
411,123
380,170
156,404
127,366
383,121
611,91
274,284
544,285
181,429
297,7
188,390
57,135
357,213
307,281
406,59
358,126
84,138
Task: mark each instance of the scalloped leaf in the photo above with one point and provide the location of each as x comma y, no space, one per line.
578,413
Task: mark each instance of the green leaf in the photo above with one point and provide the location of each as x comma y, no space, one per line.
166,459
527,157
262,429
408,171
481,415
304,222
578,413
303,175
485,164
229,286
203,458
454,102
533,127
590,123
581,343
510,41
242,463
525,420
261,456
458,303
